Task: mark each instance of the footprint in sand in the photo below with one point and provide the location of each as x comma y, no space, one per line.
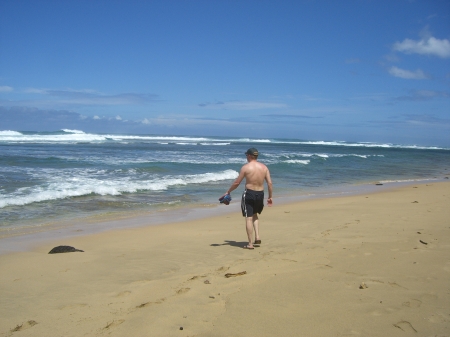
228,275
24,326
405,326
113,324
394,284
146,304
197,277
412,303
221,269
326,233
183,291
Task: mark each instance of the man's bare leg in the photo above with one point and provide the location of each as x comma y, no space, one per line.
256,226
249,228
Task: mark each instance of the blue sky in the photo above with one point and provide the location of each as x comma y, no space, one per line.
354,70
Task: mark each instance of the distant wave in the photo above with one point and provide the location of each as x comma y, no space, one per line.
318,156
365,156
298,158
73,131
215,144
73,136
9,133
362,144
296,161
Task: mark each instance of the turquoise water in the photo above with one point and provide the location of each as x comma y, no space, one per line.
51,177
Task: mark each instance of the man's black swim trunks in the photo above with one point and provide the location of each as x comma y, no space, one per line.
252,202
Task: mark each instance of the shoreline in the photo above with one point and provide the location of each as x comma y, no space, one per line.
380,260
83,226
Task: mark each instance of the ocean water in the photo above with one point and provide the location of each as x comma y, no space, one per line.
49,178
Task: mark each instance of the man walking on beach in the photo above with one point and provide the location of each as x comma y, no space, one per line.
252,202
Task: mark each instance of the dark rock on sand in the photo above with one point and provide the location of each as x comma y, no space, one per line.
64,249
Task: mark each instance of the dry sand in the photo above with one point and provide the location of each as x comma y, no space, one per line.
366,265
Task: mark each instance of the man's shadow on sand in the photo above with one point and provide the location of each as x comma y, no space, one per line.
238,244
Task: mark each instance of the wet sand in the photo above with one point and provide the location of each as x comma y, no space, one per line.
373,264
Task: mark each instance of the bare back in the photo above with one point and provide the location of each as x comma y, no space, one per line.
255,173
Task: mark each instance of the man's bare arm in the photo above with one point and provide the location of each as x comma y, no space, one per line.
269,187
238,181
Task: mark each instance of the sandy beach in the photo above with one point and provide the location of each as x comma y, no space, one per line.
373,264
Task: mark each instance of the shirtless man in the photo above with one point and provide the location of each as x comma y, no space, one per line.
253,197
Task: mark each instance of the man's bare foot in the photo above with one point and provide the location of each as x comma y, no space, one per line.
248,247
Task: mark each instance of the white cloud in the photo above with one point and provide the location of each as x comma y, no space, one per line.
407,74
35,91
423,95
118,118
146,121
426,46
249,105
96,117
5,88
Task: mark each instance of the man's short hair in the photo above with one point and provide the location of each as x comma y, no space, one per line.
252,151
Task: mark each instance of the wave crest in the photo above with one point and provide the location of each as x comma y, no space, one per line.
61,188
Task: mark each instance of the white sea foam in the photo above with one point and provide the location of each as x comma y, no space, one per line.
407,180
297,161
55,138
215,144
84,184
350,144
10,133
73,131
159,138
74,136
71,136
362,144
248,140
293,158
209,161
